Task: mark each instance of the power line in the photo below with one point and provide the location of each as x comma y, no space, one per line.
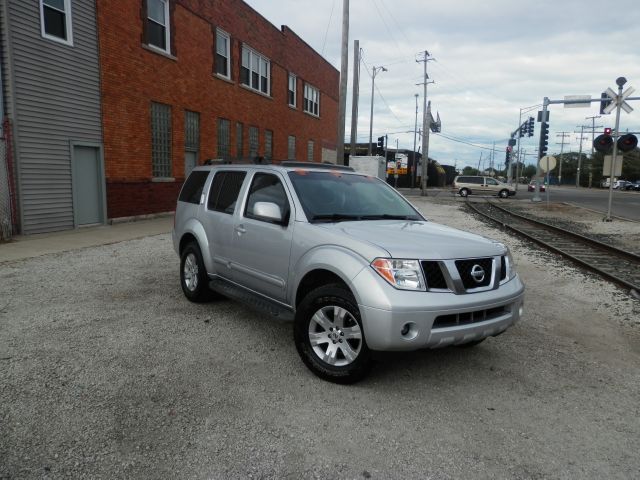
326,33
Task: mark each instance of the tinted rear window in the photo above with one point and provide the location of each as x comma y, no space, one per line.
224,191
193,186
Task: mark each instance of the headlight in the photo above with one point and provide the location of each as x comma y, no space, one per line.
511,266
401,274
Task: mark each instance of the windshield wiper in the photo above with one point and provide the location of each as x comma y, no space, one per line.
334,217
386,216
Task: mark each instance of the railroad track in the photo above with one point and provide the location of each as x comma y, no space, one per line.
618,266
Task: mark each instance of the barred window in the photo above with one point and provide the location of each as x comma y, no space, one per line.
191,140
239,140
291,154
160,140
310,145
268,145
224,150
253,142
311,100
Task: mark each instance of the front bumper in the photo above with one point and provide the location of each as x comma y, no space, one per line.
399,320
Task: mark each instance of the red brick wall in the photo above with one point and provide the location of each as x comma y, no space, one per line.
132,77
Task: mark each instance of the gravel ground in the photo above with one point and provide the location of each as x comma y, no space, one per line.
106,371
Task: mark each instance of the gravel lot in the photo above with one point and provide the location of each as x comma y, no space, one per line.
106,371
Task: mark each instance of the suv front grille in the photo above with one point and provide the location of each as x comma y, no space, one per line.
434,276
467,318
475,273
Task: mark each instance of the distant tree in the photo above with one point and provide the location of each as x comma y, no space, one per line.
528,172
469,171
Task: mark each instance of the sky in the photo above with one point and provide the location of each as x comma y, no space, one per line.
492,59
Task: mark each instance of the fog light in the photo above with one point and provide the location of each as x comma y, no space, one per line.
409,331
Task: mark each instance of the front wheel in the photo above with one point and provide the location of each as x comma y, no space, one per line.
504,193
193,275
464,192
329,337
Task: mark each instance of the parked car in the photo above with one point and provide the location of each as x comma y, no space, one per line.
532,186
620,184
346,257
466,185
633,186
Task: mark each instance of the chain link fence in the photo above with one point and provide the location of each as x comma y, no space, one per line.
6,214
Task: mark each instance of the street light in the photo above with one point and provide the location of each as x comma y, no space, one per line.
373,83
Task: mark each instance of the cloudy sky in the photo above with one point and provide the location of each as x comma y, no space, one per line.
492,59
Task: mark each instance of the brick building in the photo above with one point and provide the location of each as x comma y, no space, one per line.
183,81
106,104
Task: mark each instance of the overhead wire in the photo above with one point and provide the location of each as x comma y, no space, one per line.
326,33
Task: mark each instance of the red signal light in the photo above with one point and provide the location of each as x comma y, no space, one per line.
607,131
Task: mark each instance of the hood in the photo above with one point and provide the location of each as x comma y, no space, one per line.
419,239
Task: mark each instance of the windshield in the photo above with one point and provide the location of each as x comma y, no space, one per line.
336,196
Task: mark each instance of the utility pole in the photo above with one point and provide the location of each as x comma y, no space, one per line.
563,135
426,58
374,72
355,96
593,136
415,156
580,156
344,67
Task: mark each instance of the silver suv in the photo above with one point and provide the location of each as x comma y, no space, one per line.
352,263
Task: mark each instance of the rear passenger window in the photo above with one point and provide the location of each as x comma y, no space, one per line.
193,186
224,191
476,180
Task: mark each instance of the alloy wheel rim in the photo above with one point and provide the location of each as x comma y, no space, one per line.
335,336
190,272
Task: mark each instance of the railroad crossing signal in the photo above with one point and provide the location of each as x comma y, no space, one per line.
610,98
627,142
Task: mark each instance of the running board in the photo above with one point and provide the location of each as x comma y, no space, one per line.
252,300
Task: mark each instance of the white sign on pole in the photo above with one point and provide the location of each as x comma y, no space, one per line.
586,103
606,166
547,163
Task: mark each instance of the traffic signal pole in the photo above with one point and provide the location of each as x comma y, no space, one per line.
542,150
616,134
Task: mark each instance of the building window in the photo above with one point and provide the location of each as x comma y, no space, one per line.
160,140
158,31
256,71
253,142
55,20
292,92
191,140
239,141
223,139
223,54
268,145
291,153
312,100
310,145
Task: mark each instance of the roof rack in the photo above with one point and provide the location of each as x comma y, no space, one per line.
323,166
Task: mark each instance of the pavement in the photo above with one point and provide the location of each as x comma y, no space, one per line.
28,246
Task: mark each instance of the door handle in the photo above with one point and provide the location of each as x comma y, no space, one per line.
240,229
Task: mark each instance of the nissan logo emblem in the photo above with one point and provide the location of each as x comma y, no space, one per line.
477,273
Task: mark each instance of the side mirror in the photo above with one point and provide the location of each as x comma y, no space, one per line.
268,211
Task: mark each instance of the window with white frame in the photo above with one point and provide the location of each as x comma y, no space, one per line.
55,20
255,72
293,90
312,100
158,29
223,54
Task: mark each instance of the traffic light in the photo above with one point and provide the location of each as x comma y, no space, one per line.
381,144
530,127
603,143
544,139
607,131
507,158
605,100
627,142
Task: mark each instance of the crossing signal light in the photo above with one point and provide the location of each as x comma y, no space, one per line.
603,143
627,142
544,139
507,158
607,131
530,127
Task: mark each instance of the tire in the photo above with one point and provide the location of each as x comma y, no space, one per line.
503,194
464,192
329,336
193,275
